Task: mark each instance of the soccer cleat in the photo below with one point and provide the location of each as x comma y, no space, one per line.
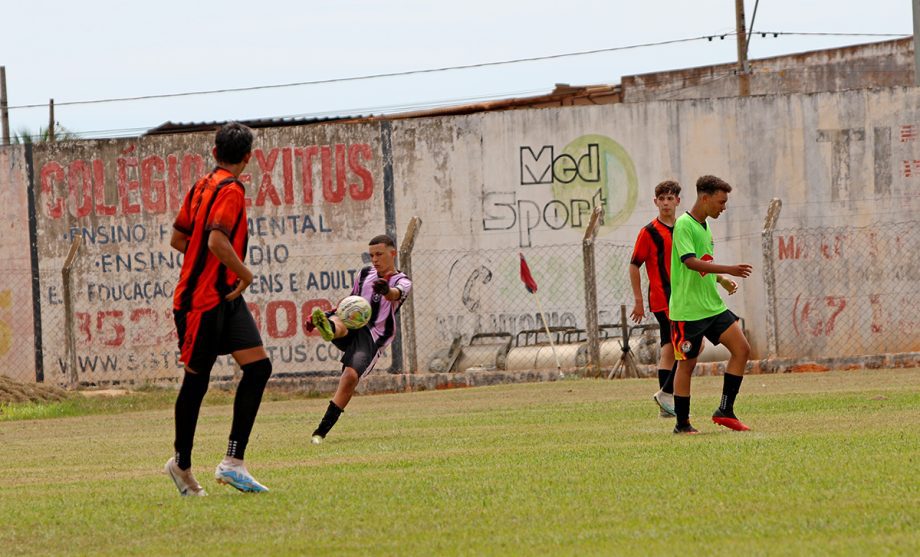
184,480
237,476
321,322
685,430
316,439
728,420
665,402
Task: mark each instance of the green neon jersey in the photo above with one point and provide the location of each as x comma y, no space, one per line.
694,295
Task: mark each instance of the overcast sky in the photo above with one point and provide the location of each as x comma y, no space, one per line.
74,51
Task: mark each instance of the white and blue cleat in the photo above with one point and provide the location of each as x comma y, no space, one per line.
184,480
665,402
237,476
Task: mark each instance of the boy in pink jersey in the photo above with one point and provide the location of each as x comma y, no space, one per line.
385,288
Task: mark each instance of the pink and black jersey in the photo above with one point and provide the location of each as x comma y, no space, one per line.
383,312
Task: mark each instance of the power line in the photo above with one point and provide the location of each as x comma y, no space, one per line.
376,76
829,34
710,38
132,132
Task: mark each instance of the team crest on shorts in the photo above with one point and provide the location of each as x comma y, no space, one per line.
685,346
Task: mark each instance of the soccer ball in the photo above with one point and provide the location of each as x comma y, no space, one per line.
354,311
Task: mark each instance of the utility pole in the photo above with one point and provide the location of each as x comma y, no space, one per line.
4,111
744,84
51,120
916,4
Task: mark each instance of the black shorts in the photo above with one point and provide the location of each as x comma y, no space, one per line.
664,326
359,350
687,336
223,329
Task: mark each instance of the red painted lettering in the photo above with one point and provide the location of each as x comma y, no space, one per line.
192,169
287,175
789,250
290,322
99,189
357,153
50,174
117,328
83,321
267,187
79,180
340,170
153,188
329,194
126,187
306,171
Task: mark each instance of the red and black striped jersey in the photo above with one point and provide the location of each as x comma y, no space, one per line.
216,202
653,248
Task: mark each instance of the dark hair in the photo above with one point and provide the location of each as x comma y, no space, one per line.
383,239
666,187
711,184
233,142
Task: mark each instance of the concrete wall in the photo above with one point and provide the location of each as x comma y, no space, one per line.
486,182
486,186
879,65
315,196
17,355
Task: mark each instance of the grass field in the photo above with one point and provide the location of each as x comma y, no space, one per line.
577,467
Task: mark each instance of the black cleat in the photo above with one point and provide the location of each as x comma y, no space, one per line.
685,429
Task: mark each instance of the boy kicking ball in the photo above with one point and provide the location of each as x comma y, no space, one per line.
385,288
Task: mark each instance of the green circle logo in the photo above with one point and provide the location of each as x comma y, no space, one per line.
592,171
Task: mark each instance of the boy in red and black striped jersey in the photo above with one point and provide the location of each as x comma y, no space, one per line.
211,316
653,249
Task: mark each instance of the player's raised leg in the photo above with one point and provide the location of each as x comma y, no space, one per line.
329,327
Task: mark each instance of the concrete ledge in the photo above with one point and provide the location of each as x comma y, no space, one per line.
382,382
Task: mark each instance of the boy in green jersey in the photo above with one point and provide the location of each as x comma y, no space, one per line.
697,309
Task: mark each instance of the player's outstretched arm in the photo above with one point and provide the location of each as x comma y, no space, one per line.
742,270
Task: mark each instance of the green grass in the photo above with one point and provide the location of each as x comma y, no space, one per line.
578,467
148,398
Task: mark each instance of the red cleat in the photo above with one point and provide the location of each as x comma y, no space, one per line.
729,421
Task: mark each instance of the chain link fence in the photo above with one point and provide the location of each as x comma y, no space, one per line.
472,311
846,291
831,292
17,352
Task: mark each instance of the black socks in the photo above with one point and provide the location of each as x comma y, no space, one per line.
666,379
730,386
332,415
682,409
188,404
246,405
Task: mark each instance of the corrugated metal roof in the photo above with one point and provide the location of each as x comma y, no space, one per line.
191,127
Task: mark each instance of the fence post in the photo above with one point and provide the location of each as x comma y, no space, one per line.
408,308
71,345
769,274
591,329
